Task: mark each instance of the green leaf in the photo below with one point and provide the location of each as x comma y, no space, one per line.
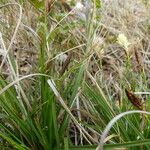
37,3
98,3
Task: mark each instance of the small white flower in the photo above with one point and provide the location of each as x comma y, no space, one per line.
79,6
62,58
79,11
123,41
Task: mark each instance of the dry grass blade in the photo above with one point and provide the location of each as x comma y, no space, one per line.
14,35
112,122
19,79
52,85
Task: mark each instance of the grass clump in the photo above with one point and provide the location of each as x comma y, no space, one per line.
68,68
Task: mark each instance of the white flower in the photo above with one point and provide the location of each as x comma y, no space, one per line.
61,57
79,11
79,6
123,41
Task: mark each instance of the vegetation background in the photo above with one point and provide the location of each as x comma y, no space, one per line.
68,68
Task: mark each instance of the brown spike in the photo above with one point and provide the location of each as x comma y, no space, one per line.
66,6
138,58
134,99
48,5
